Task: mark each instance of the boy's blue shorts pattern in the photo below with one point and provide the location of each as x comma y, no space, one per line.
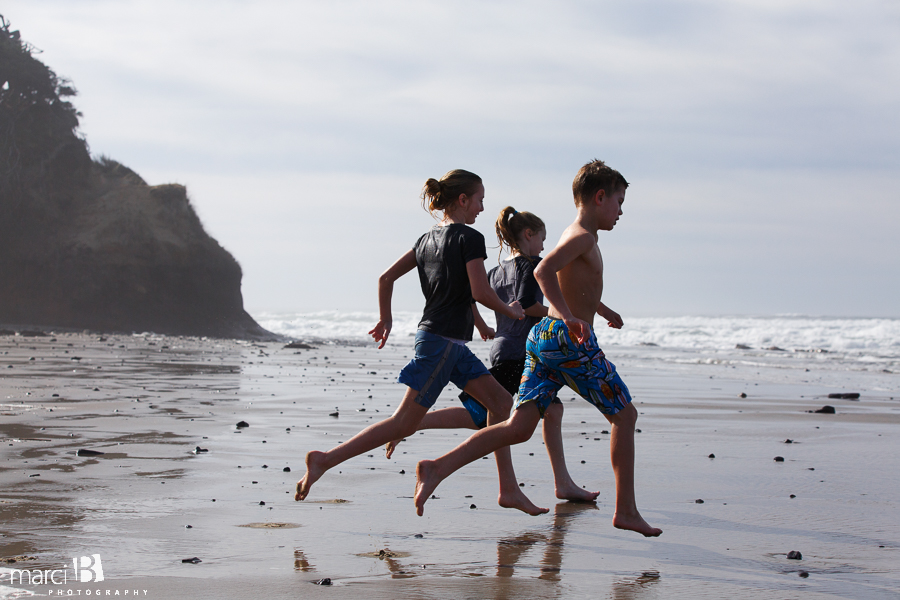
437,362
554,358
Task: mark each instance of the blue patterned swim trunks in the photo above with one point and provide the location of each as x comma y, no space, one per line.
554,358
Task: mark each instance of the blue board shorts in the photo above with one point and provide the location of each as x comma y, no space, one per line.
554,358
437,362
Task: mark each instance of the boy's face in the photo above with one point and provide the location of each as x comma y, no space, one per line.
610,207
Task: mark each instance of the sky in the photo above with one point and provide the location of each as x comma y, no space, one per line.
761,138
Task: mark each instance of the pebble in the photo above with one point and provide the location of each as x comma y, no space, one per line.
472,506
326,581
698,501
845,396
193,560
826,410
286,469
789,441
402,471
261,503
743,395
242,424
794,555
419,535
199,450
803,574
712,456
334,414
779,459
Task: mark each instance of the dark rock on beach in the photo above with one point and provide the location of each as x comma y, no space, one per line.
192,561
84,452
87,243
299,346
779,459
794,555
242,424
844,396
827,410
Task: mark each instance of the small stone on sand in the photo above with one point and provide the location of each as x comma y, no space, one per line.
779,459
794,555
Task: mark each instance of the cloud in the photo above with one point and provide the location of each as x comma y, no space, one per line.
740,124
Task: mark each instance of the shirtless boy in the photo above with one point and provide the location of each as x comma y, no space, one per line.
562,350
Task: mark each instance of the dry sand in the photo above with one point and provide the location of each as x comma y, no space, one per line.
150,501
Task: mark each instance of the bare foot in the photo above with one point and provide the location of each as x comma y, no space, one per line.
390,447
314,470
635,522
573,493
518,499
426,482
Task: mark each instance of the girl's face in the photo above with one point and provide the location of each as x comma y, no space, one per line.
472,206
532,243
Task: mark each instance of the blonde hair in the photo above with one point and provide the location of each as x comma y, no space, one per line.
511,224
441,194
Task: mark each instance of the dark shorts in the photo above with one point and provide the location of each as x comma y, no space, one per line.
508,373
437,362
554,358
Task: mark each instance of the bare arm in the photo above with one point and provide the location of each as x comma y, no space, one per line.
484,330
612,317
401,267
569,249
536,310
485,294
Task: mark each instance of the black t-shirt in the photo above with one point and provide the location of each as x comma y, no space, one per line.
441,257
514,280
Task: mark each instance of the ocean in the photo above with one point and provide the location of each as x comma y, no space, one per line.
838,351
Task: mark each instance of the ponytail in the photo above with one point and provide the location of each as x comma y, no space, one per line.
511,224
440,195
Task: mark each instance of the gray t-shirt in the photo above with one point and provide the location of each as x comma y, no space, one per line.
514,280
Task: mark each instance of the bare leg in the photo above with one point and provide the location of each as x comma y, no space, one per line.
402,423
566,489
622,456
455,417
498,402
517,429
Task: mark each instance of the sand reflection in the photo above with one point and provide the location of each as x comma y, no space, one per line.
548,541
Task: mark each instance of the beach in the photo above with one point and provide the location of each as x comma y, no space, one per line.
179,479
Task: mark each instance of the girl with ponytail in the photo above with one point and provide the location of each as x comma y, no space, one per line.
450,262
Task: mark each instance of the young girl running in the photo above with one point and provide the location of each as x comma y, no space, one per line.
450,262
523,234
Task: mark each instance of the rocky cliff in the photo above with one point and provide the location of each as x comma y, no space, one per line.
87,243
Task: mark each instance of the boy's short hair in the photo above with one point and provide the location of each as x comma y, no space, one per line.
593,177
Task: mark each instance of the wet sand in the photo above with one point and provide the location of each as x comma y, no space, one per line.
147,402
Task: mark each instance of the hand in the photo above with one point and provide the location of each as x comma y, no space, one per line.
381,331
515,310
580,329
614,320
612,317
487,333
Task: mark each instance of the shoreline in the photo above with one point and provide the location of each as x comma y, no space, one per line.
148,401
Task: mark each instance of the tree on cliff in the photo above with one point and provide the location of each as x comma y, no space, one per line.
41,153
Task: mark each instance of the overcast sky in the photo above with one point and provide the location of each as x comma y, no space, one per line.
761,138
